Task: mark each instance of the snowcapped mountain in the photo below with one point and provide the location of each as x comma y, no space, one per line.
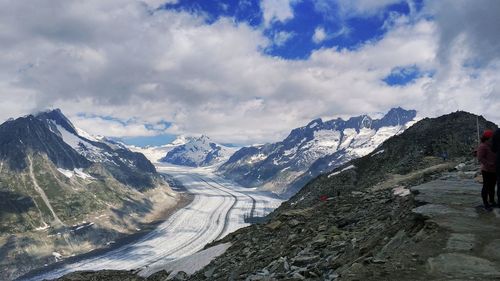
156,153
276,166
198,152
126,166
69,148
56,179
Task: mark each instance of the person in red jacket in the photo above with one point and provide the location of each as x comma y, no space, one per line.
487,158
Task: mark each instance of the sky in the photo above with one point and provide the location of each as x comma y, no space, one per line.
245,71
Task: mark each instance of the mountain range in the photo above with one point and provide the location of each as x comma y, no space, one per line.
401,212
56,179
370,225
308,151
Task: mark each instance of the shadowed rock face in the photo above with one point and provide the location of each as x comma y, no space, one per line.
14,203
30,134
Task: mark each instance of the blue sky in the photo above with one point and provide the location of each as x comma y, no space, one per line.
297,32
341,31
244,71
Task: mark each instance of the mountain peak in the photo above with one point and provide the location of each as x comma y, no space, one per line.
180,140
59,118
204,138
401,111
397,116
195,152
314,123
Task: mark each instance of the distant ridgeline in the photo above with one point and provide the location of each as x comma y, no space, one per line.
419,146
321,146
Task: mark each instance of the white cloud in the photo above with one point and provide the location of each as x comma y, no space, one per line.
468,57
363,7
319,35
280,38
472,25
276,10
115,58
113,128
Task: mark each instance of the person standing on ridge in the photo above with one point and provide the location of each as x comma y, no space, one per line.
495,146
488,159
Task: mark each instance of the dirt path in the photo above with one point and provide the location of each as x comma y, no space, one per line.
472,249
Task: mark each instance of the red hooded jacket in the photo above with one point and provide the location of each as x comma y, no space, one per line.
486,157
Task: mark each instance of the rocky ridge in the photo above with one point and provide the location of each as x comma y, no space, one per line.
321,146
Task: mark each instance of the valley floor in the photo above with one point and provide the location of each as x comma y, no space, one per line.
218,208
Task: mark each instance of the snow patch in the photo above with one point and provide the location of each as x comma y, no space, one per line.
76,172
81,174
289,152
57,256
67,173
41,228
83,147
257,158
401,191
327,139
378,152
86,135
343,170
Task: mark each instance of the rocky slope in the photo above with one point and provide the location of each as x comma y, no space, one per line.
198,152
401,214
320,146
65,192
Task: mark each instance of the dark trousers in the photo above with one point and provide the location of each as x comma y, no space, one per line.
498,187
488,191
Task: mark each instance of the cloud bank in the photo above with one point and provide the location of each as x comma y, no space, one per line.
132,61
